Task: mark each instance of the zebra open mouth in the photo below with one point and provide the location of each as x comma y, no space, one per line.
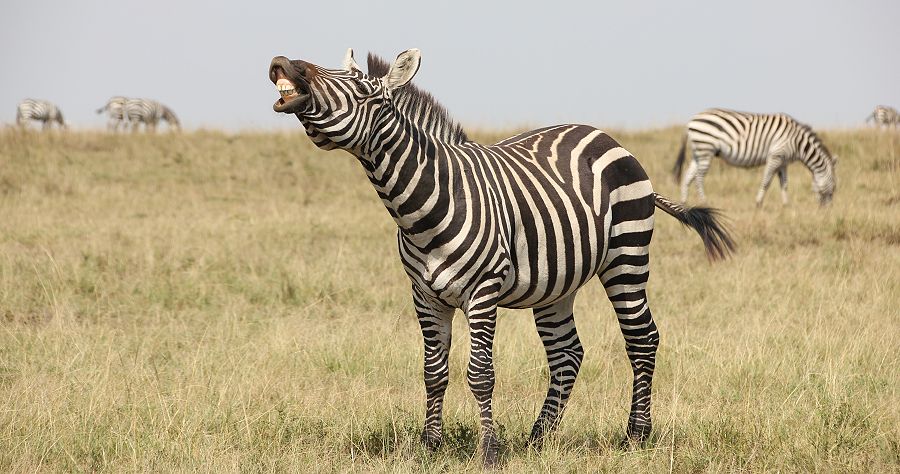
291,83
292,97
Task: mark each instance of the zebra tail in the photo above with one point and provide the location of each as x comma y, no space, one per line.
101,109
706,221
679,162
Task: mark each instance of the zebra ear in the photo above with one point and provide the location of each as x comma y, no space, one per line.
404,68
834,160
349,63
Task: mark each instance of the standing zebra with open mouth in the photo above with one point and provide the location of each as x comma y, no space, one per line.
523,223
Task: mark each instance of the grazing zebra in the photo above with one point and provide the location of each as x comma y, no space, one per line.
523,223
884,117
115,108
747,140
39,111
149,112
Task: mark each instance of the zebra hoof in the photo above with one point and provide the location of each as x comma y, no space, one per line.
539,432
490,449
536,440
636,435
430,440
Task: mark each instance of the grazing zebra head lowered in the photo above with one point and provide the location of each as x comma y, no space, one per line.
748,140
523,223
39,111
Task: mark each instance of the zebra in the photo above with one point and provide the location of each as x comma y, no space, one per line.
149,112
40,111
115,108
748,140
523,223
884,117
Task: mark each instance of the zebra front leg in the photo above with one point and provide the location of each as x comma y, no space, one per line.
436,325
625,286
481,313
783,181
556,327
772,165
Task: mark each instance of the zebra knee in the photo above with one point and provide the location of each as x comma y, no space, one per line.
481,381
570,363
437,378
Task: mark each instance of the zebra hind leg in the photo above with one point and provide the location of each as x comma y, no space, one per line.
703,163
689,176
625,281
556,327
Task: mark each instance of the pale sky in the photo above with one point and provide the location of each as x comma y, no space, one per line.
612,65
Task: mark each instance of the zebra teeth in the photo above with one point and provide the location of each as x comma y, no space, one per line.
285,88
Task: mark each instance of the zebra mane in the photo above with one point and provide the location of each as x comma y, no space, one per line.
420,106
817,142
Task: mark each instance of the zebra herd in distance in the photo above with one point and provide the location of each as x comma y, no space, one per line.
122,112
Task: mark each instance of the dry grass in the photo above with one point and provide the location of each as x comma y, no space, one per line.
210,302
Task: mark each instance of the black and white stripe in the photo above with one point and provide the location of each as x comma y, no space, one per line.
523,223
884,117
115,109
749,140
40,111
149,113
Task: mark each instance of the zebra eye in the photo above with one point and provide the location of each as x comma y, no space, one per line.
364,87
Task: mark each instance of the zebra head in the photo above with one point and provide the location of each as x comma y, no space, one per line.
824,179
338,107
61,120
171,118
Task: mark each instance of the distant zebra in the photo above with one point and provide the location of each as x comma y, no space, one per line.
39,111
884,117
749,140
115,108
149,112
523,223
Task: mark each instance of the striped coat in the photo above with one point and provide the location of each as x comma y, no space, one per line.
884,117
40,111
149,113
115,109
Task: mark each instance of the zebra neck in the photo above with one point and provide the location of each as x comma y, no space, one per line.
412,174
812,157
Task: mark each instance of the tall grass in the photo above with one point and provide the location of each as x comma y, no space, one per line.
211,302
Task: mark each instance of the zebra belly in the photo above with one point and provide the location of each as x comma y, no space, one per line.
542,274
529,273
743,160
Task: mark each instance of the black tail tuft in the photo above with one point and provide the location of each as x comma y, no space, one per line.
679,162
706,221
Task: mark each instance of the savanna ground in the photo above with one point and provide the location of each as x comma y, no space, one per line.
213,302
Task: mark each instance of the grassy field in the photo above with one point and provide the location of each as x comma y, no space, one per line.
212,302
